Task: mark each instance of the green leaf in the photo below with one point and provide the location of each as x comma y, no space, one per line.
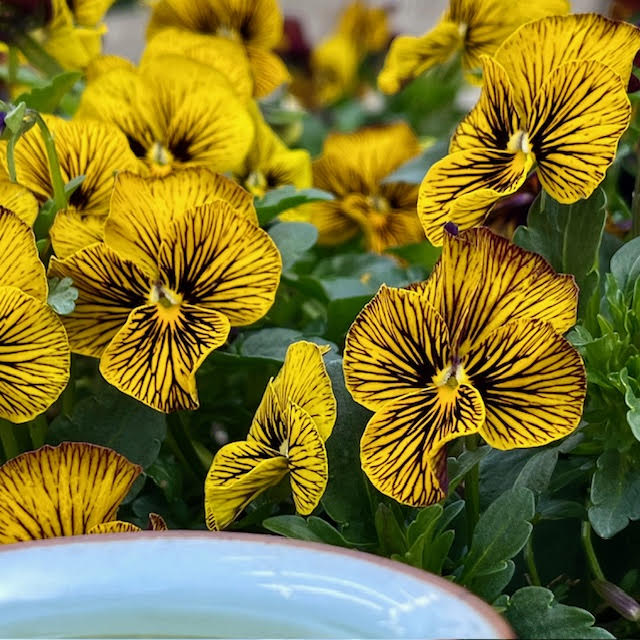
340,315
274,202
62,295
72,185
113,419
457,468
167,475
272,343
45,99
625,265
422,254
292,527
536,473
501,532
568,236
13,120
534,613
491,585
615,494
346,498
292,240
633,402
413,172
390,533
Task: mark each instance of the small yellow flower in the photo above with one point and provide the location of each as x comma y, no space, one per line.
34,350
287,435
555,98
472,28
72,489
352,167
256,26
477,348
169,280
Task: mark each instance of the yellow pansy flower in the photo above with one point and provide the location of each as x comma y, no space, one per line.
287,435
352,167
164,288
270,163
68,490
34,350
471,28
256,25
477,348
174,112
20,200
540,106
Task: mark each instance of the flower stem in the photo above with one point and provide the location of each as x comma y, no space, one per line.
59,196
635,202
11,160
36,55
592,559
530,559
8,439
38,431
472,490
189,456
12,69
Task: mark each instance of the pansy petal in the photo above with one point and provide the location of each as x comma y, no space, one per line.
411,56
115,526
109,289
395,345
19,200
268,70
331,220
217,258
462,187
240,472
157,523
63,490
156,354
401,441
484,282
494,119
304,381
72,231
268,427
307,460
20,264
575,123
532,382
34,356
574,37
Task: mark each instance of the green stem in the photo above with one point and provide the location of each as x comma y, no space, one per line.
12,66
472,490
177,452
592,559
11,159
178,430
36,55
59,196
530,559
8,439
38,431
635,202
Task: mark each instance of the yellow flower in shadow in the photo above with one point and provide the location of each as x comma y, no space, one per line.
287,435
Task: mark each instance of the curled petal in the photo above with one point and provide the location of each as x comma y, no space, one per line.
62,491
115,526
72,231
268,427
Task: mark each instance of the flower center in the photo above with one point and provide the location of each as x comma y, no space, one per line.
519,142
463,27
284,449
225,31
166,298
449,378
159,154
256,183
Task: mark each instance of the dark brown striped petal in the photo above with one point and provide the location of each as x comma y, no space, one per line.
268,427
400,446
115,526
62,491
239,473
575,123
462,187
20,264
157,523
483,281
20,200
532,382
72,231
304,381
494,119
306,459
156,354
395,345
109,289
218,259
34,356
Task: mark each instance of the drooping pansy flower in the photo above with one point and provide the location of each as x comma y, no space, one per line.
287,436
174,112
19,200
476,349
469,28
162,290
554,98
352,167
270,163
72,489
256,26
34,350
95,150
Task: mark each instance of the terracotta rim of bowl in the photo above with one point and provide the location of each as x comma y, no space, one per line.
486,611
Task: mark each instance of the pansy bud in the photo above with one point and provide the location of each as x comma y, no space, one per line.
618,599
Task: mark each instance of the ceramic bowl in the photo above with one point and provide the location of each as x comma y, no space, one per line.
192,584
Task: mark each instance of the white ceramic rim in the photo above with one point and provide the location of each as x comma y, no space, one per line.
499,625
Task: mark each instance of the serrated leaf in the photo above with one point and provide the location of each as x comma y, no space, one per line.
534,613
292,240
275,202
46,99
62,295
